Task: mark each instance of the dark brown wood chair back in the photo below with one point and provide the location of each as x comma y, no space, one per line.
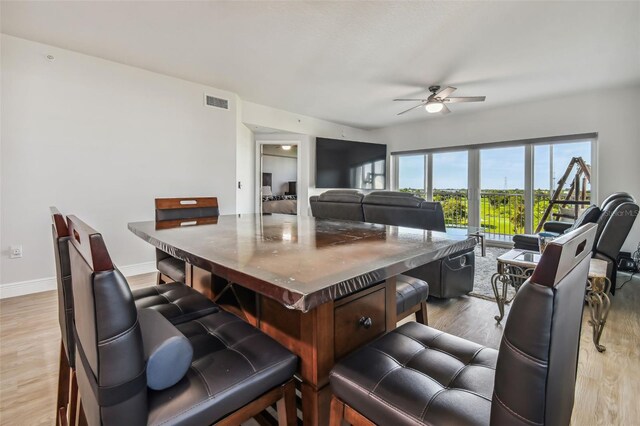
60,233
186,208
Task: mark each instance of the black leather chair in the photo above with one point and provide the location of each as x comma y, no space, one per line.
177,302
176,209
614,218
449,277
419,375
134,367
346,204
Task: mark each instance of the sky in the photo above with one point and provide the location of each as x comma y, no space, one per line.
501,168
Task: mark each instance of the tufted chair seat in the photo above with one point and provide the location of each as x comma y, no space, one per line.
410,292
233,364
423,375
175,301
172,268
417,375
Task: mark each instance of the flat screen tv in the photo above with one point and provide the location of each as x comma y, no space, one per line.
349,164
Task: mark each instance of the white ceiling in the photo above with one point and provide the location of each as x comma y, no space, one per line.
346,61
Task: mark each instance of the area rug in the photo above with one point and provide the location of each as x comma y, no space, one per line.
485,268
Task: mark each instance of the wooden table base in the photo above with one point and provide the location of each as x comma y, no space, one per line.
320,337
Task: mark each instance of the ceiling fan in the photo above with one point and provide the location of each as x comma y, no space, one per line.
438,98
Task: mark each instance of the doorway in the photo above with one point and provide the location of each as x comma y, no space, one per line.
278,176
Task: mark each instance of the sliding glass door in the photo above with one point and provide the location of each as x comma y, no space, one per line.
449,186
567,165
505,189
502,197
412,175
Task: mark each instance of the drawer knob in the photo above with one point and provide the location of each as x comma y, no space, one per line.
366,322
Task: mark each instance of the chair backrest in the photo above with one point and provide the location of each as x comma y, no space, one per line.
536,368
60,234
338,204
619,212
590,215
403,209
110,363
614,196
186,208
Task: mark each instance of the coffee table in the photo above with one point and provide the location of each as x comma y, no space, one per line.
516,266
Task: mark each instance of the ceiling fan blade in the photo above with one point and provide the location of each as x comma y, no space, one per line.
466,99
445,92
414,100
412,108
445,110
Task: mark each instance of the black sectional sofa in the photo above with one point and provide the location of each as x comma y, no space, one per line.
448,277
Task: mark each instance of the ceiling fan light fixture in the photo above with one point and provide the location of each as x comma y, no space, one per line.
433,107
286,147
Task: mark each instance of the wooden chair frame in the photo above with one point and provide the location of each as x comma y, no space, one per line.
421,313
284,396
342,413
67,399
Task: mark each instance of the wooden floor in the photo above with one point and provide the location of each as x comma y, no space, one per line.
608,388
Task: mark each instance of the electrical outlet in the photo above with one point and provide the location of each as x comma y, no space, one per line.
15,252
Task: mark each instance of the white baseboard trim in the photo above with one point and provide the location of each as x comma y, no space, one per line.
22,288
138,268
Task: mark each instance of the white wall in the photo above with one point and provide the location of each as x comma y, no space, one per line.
100,140
304,131
245,165
615,117
283,170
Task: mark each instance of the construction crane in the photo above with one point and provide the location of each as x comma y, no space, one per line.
576,196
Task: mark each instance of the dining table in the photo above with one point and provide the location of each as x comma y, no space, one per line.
322,288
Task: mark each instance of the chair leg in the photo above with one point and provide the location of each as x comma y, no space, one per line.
80,417
73,399
422,315
64,372
336,416
159,278
287,412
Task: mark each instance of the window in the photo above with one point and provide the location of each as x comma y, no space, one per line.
411,174
449,187
513,183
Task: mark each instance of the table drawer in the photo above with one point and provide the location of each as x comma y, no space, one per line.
359,321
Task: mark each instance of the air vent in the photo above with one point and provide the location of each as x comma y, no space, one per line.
212,101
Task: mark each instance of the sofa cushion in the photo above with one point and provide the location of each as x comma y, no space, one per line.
341,196
394,198
526,242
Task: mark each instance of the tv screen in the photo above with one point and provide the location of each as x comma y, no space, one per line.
349,164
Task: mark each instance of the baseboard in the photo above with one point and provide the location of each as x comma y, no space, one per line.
22,288
138,268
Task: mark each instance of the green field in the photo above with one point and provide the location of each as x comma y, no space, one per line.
501,211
